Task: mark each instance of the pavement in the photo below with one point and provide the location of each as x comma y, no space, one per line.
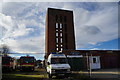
109,74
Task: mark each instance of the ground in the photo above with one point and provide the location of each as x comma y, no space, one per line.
40,74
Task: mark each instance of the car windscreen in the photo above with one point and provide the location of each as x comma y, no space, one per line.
58,60
27,60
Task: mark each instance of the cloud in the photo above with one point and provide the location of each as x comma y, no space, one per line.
23,34
60,0
0,6
22,31
6,25
102,21
91,30
26,45
24,24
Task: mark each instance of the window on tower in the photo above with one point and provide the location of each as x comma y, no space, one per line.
60,25
56,40
61,40
60,34
56,25
56,34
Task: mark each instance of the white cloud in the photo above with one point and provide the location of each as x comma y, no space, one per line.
102,21
60,0
0,6
22,31
23,21
27,45
6,24
10,28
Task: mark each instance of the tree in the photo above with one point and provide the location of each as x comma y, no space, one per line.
5,49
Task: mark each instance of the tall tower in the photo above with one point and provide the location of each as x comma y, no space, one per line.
59,31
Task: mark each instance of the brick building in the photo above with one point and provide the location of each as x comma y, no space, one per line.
106,59
59,31
60,37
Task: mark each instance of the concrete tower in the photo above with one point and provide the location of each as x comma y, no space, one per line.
59,31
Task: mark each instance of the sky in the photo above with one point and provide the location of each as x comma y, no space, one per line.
22,25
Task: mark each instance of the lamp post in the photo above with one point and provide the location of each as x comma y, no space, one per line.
89,64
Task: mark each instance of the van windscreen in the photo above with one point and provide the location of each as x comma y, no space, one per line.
58,60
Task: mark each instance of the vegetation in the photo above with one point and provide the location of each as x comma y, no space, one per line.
17,75
38,74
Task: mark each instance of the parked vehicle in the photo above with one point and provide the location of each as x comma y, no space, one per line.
57,65
8,63
26,63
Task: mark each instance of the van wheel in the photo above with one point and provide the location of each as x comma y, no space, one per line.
49,75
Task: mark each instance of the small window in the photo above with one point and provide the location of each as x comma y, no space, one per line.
56,45
61,40
56,34
56,40
60,34
61,45
56,25
61,49
61,30
56,29
94,60
57,49
60,25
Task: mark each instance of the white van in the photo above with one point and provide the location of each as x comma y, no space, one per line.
57,65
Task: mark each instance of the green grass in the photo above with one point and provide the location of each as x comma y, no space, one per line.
39,74
17,75
22,75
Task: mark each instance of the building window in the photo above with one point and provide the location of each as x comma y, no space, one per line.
61,30
61,45
57,49
60,25
56,45
94,60
56,40
60,34
56,34
56,29
56,25
61,40
61,49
